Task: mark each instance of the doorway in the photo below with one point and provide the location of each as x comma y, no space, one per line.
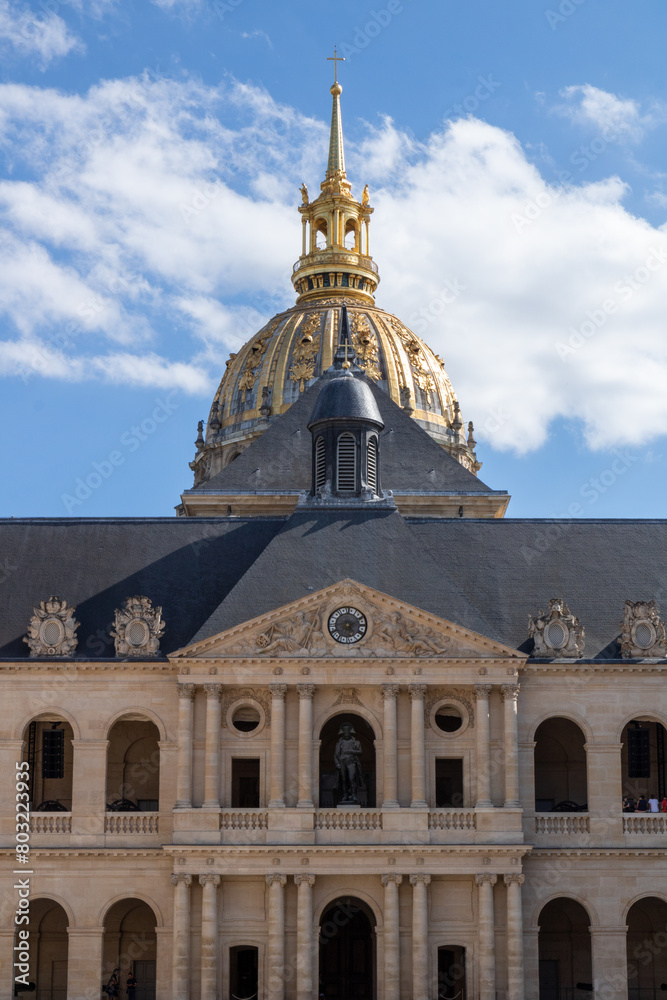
243,966
347,951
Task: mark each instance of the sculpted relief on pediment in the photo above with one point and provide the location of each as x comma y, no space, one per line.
347,621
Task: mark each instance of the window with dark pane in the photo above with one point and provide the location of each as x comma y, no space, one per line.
53,753
639,753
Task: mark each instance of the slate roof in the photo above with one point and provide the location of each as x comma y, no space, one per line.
345,398
280,460
187,565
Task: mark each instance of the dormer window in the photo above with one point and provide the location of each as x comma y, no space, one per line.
346,463
320,463
372,460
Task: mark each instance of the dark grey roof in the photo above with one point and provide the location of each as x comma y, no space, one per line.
186,565
346,398
316,549
280,459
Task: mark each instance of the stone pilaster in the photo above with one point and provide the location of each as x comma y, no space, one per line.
275,987
510,693
305,775
482,691
277,782
389,694
180,977
392,941
186,693
209,936
417,692
487,935
514,937
304,936
420,983
212,752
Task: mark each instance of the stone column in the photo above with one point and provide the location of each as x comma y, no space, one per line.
277,783
420,984
487,937
212,752
417,692
389,693
186,693
275,987
180,976
392,941
305,775
482,692
304,937
209,936
514,937
510,693
610,962
84,963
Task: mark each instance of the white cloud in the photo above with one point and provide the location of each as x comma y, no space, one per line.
152,228
44,37
612,116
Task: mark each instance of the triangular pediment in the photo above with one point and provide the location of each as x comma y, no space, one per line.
344,620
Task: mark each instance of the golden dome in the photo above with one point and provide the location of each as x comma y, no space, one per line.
335,269
295,347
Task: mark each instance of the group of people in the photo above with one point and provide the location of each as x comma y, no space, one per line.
112,988
644,805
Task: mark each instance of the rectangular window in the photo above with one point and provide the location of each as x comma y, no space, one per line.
639,753
245,783
448,782
53,753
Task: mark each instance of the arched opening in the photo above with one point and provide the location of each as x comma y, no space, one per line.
566,968
243,972
560,767
129,946
321,233
647,949
48,750
643,760
133,766
451,973
346,463
350,238
347,951
334,772
46,957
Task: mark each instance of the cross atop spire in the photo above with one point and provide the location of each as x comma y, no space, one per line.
335,59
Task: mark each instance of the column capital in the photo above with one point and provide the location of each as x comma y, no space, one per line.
213,690
278,690
483,690
421,878
390,690
516,879
304,880
186,691
392,878
210,880
276,879
510,692
417,690
181,877
305,691
486,877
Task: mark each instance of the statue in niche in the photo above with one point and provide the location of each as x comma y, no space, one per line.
347,758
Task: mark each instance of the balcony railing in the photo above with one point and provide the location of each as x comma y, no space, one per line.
348,819
645,823
452,819
244,819
59,822
331,258
131,822
563,823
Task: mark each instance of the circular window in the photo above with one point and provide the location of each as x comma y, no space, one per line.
137,633
556,635
643,635
52,632
245,717
449,717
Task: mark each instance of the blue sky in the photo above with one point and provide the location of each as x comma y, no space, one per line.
150,158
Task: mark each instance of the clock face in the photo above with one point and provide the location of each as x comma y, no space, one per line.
347,625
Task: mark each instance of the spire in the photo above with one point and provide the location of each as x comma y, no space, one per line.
336,162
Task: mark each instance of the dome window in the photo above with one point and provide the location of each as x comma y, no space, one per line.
346,464
320,463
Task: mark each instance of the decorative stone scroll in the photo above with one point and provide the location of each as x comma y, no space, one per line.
558,634
52,630
643,632
138,627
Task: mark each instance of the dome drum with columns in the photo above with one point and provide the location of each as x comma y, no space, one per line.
335,269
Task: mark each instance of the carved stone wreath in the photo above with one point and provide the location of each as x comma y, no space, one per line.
643,632
436,695
138,627
52,630
233,695
558,634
